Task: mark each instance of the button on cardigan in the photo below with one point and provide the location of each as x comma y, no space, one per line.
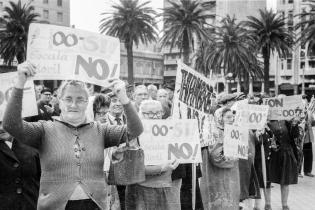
62,169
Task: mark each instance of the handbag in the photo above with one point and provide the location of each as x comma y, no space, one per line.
127,165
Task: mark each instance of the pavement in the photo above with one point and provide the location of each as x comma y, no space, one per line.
301,195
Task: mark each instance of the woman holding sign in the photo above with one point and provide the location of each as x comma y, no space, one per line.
222,173
283,165
71,148
156,191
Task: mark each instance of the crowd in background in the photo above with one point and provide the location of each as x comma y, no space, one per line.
223,182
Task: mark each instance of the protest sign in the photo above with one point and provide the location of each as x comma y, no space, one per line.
193,97
7,82
285,108
62,53
164,140
235,144
251,116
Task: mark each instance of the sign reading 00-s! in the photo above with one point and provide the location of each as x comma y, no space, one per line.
251,116
235,142
62,53
164,140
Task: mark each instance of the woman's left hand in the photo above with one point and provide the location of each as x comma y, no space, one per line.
119,89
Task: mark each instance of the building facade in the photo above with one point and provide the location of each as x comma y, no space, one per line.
299,67
55,12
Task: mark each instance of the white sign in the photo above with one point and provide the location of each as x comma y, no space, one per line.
251,116
235,142
193,97
164,140
285,108
63,53
7,82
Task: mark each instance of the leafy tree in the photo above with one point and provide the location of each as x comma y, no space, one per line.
185,22
271,35
13,39
132,22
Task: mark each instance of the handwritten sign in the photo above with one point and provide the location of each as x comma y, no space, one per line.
251,116
193,98
285,108
62,53
164,140
7,82
235,143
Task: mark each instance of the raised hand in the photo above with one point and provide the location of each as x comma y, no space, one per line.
25,70
119,89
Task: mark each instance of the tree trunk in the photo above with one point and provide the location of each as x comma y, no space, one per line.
186,49
250,89
130,62
266,56
239,87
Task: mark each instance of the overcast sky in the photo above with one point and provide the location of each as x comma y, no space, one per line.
87,15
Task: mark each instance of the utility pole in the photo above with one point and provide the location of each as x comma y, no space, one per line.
303,81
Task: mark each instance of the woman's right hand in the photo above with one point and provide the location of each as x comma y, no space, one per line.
170,166
25,70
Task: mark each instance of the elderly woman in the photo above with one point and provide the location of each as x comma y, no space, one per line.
221,174
156,191
71,148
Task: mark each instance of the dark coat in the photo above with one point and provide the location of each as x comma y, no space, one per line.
19,176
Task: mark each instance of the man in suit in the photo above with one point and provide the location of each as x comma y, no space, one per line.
19,174
115,116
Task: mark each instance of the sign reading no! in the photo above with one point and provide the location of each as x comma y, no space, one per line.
164,140
61,53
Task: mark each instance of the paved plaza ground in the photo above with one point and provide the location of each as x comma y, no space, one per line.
301,196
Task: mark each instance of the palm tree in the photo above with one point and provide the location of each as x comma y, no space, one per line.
271,36
307,26
13,39
132,23
232,48
184,21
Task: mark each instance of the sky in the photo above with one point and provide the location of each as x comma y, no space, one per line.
87,16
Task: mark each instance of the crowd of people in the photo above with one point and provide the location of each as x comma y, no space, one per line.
60,159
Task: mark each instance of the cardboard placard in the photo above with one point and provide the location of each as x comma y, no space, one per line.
63,53
235,142
251,116
285,108
192,100
7,82
164,140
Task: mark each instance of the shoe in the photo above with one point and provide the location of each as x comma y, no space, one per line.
285,208
268,207
309,174
300,175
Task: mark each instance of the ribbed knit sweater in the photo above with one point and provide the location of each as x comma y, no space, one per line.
62,170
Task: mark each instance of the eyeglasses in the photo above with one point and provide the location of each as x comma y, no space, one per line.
101,114
47,94
69,101
152,115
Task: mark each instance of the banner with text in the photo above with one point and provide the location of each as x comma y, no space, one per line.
251,116
235,142
193,97
7,82
62,53
285,108
164,140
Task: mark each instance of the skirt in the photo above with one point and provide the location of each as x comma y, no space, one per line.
283,167
146,198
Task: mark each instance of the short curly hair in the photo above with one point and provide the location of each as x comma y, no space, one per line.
100,101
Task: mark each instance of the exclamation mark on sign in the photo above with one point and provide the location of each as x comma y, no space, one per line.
114,71
195,152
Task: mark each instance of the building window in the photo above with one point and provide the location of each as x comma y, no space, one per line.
59,17
290,1
282,65
283,1
289,64
46,14
1,4
45,1
302,65
290,18
59,3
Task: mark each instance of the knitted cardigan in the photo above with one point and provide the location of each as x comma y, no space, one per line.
62,170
